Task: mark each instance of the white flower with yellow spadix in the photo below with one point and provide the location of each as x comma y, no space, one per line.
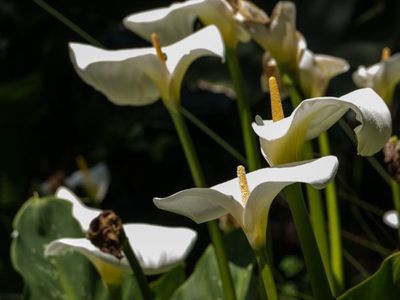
143,75
382,77
316,71
157,248
249,196
178,20
282,139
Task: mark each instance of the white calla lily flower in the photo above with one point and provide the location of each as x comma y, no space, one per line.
316,70
205,204
382,77
280,37
177,21
282,141
157,248
139,76
96,178
391,219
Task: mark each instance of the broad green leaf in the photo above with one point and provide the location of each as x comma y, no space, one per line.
163,287
71,276
205,282
384,284
166,285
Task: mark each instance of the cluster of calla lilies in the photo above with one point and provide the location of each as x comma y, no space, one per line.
142,76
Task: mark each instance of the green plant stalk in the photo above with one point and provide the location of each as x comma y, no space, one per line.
316,207
372,160
137,270
317,215
396,198
215,137
333,222
251,148
199,181
312,257
266,274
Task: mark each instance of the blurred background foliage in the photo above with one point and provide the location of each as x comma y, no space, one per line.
48,117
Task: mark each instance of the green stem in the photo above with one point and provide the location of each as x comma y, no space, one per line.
219,140
251,148
333,222
67,22
137,270
396,198
312,257
317,216
372,160
315,204
266,274
199,181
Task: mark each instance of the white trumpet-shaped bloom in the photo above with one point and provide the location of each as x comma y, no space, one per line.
282,141
177,21
382,77
391,219
97,178
157,248
138,76
316,70
205,204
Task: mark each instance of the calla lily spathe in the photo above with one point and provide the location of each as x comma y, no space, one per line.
280,37
138,76
157,248
177,21
391,219
205,204
316,70
382,77
289,48
98,179
282,141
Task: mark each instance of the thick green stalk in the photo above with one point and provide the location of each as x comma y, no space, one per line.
251,148
266,274
312,257
333,222
137,270
396,198
317,215
199,181
316,206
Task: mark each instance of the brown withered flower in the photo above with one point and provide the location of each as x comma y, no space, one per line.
391,152
107,234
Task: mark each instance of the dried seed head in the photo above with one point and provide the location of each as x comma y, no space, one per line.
391,152
106,233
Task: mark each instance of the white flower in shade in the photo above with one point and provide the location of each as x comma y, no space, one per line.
391,219
289,48
95,180
382,77
280,37
157,248
248,198
282,140
140,76
316,70
177,21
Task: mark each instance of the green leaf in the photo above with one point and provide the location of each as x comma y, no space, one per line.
166,285
384,284
71,276
205,282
